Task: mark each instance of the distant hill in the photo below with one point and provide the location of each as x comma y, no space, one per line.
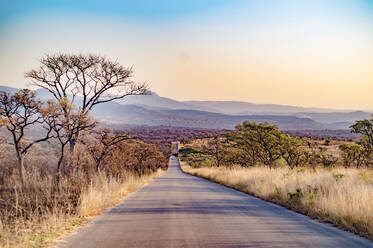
224,107
154,110
138,115
335,117
8,89
155,101
242,108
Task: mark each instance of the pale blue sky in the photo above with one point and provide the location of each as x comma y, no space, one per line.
264,51
141,9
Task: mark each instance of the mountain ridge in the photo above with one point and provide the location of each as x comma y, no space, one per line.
248,107
156,110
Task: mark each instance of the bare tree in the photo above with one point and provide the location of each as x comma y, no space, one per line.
105,141
18,112
86,80
64,123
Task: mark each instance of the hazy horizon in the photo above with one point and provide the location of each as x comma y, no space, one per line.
330,110
300,53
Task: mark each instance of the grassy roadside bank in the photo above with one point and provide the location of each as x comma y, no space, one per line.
42,230
340,196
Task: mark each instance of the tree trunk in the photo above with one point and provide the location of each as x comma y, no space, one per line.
98,165
20,166
19,160
19,156
73,141
60,160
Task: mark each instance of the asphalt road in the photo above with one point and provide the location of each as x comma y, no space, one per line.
180,210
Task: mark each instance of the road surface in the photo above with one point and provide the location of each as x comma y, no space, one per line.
180,210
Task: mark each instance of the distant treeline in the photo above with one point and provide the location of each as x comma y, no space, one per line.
252,144
340,134
171,133
166,134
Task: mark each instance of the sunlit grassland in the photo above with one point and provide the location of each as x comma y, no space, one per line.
341,196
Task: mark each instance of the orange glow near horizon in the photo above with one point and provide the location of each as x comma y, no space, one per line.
314,57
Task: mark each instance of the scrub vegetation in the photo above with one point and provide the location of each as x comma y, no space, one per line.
330,181
57,166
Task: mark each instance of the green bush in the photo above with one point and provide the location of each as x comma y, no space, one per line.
185,151
295,198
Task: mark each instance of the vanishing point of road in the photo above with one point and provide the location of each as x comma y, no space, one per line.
180,210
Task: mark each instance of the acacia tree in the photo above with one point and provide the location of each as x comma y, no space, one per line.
292,152
64,123
365,128
352,154
85,80
243,151
215,149
104,142
18,112
263,139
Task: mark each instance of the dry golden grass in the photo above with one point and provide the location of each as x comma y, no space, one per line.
341,196
58,213
37,212
105,192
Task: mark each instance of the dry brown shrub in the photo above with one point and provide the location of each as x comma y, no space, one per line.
136,157
39,210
